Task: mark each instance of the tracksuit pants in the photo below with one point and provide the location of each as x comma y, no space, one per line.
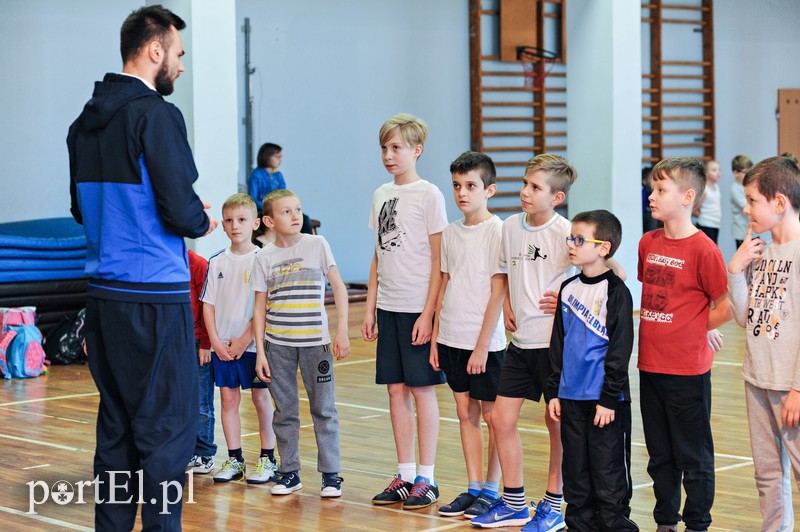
316,369
142,359
596,468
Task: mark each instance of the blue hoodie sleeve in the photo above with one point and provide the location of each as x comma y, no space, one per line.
172,171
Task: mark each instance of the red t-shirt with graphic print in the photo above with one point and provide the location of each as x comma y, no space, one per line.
680,278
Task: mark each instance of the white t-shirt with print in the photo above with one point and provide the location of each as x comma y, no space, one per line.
294,280
470,256
537,261
404,216
227,288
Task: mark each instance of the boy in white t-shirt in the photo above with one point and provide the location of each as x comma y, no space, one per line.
289,282
408,216
709,208
469,341
227,312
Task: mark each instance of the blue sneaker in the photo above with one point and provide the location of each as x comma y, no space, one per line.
545,520
500,514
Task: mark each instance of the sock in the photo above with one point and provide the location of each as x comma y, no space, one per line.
514,497
269,453
474,488
491,489
236,453
555,500
407,471
426,471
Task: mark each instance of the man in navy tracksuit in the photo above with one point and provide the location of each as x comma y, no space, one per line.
131,175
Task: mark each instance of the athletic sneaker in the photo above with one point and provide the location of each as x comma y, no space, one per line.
423,494
232,469
331,485
546,519
500,514
265,471
457,507
287,483
397,491
480,506
201,465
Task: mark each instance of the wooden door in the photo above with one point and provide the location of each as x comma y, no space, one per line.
789,121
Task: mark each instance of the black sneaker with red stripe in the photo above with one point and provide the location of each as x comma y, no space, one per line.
397,491
423,494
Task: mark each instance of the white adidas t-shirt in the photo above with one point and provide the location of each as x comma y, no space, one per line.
537,261
470,256
404,216
227,288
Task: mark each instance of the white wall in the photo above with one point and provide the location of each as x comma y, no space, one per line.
53,53
757,46
328,74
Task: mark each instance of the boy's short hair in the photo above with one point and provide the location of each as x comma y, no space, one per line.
473,160
413,130
240,200
789,155
272,197
560,174
687,173
776,175
606,227
741,163
267,150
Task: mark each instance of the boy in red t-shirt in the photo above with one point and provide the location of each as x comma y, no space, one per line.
684,295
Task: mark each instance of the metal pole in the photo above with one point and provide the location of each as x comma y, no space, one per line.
248,99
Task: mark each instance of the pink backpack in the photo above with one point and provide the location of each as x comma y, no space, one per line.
21,353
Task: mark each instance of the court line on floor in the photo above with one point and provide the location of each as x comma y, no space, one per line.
28,413
42,518
55,398
44,443
716,470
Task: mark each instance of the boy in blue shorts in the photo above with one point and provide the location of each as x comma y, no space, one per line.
289,282
408,217
588,392
228,310
468,337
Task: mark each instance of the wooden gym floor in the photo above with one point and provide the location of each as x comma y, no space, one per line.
47,434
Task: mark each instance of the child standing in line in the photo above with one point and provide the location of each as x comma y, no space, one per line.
588,391
709,208
684,295
408,216
202,461
764,283
289,282
468,341
228,310
740,165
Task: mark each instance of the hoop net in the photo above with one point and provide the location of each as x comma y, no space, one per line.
536,65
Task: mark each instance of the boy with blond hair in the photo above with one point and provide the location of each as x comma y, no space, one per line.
684,295
408,216
228,310
588,391
536,261
764,283
468,341
289,282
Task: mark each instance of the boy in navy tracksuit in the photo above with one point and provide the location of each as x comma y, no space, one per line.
588,391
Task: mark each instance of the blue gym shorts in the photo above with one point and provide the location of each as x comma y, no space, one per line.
239,373
397,361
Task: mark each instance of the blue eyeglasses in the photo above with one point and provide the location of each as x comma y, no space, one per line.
578,241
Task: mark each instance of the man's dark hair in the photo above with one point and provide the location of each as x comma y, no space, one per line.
606,227
266,151
472,160
145,25
776,175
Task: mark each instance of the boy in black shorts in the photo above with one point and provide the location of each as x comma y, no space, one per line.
469,341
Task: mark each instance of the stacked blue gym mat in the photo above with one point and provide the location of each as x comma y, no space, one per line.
41,265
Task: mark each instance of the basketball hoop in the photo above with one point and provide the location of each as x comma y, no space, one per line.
533,61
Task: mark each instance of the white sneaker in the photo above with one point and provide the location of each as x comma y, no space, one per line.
232,469
195,461
204,465
265,471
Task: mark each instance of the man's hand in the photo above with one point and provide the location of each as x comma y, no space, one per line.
212,223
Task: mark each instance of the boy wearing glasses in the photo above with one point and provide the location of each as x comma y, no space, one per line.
588,391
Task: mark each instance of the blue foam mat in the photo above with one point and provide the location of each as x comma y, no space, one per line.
43,234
